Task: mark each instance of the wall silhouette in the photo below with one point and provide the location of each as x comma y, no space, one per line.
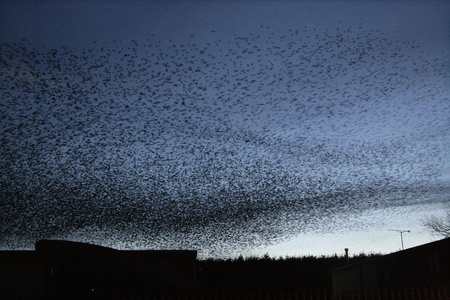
70,270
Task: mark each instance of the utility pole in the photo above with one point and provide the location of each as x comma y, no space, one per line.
401,234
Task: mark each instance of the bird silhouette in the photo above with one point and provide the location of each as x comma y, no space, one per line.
224,144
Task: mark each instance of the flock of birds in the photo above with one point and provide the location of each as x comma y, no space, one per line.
218,145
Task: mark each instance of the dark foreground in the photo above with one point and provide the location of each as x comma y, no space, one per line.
70,270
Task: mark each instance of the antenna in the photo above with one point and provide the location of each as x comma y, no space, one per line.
401,234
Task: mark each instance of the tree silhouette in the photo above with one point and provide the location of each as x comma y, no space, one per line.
439,226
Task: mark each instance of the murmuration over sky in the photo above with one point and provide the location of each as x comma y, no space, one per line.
229,127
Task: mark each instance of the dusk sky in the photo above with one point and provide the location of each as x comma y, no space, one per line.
227,127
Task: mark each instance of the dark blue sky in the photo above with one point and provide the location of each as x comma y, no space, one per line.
231,127
78,22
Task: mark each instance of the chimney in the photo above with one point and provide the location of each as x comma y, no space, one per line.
347,261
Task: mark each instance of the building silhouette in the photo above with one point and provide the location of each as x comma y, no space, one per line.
422,266
71,270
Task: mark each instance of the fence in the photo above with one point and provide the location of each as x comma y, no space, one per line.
411,293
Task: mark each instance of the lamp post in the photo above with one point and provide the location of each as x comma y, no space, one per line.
401,234
347,260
